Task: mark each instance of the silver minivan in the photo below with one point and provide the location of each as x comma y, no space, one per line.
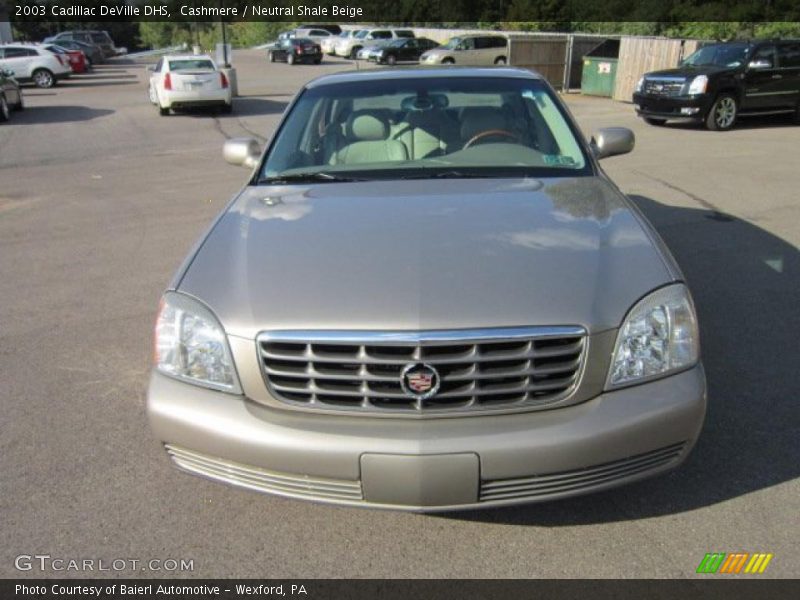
471,50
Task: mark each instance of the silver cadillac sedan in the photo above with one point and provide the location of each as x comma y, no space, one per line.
429,296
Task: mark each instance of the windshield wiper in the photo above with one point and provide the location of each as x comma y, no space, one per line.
453,174
318,177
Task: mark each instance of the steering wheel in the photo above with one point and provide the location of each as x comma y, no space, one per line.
489,133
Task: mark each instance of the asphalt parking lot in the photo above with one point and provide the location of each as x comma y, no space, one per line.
101,199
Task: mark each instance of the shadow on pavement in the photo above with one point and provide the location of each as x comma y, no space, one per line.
761,122
242,107
746,285
60,114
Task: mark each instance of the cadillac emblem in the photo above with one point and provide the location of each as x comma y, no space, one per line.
420,381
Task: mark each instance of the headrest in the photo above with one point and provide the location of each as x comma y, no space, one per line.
366,127
475,119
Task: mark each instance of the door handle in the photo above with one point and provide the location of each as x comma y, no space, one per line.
777,76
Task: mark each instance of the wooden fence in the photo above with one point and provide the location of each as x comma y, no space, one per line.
546,56
639,55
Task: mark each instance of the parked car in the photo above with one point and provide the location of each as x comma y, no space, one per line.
349,47
296,50
76,58
315,35
475,50
189,81
719,83
94,55
328,45
404,50
32,62
329,27
429,296
10,95
100,39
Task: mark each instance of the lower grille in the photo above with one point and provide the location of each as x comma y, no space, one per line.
262,480
663,87
474,370
579,479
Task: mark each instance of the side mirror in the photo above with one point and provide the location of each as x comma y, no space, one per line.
759,64
612,141
242,152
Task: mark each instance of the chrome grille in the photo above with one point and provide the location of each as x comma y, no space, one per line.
477,369
262,480
663,87
579,479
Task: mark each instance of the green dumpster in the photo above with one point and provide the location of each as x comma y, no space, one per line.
600,69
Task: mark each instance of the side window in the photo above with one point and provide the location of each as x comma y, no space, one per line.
467,44
789,55
766,53
500,42
18,52
482,43
318,33
381,35
159,65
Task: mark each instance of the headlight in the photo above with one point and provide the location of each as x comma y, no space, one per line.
658,337
190,345
698,85
640,84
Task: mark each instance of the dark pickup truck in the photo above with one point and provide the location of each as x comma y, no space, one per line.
719,83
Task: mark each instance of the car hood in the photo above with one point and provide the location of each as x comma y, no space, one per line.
688,72
426,254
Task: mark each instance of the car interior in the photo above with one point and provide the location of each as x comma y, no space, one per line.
427,126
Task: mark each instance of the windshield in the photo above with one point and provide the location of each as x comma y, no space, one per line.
190,64
361,34
426,127
452,43
719,56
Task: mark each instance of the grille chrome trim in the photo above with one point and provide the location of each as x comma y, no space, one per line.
481,369
578,479
663,86
262,480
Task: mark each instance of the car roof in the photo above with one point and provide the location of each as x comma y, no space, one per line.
423,73
188,57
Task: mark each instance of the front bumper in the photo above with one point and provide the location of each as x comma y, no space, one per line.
431,465
692,108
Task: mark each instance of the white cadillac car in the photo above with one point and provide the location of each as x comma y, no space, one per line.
187,81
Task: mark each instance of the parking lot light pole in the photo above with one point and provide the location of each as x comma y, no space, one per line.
226,67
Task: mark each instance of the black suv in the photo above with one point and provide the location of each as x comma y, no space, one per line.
721,82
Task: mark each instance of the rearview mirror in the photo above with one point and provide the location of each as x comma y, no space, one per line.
760,64
612,141
243,152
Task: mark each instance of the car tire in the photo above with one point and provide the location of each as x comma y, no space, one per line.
21,104
271,56
723,113
796,115
391,60
354,52
500,60
164,112
448,61
226,109
43,78
290,60
317,61
654,122
5,112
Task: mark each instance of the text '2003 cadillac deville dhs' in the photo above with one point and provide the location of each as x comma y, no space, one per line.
428,297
